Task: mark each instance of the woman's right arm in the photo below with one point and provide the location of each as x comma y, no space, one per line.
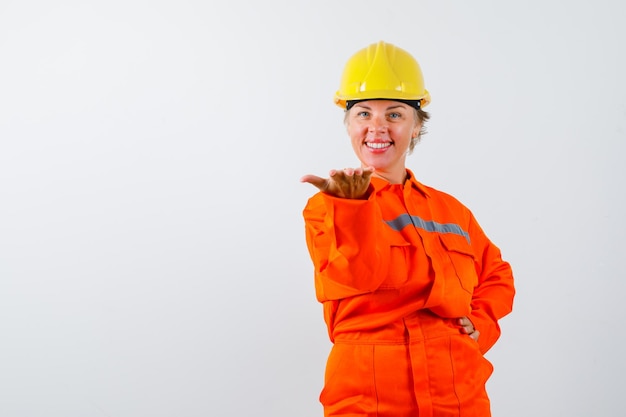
347,246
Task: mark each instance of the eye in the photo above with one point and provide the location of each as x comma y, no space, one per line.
363,113
395,115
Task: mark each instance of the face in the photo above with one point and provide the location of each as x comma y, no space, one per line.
381,132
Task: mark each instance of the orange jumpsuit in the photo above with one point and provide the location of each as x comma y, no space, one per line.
394,273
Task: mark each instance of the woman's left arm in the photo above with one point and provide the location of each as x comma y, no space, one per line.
492,298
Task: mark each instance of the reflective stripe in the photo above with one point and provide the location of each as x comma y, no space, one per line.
405,219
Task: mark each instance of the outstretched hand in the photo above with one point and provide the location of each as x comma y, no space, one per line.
350,183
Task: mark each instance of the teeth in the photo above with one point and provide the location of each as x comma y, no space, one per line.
378,145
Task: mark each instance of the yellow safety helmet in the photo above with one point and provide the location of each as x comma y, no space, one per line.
382,71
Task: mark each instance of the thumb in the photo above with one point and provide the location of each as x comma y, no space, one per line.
319,182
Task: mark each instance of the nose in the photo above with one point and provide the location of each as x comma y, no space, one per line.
378,125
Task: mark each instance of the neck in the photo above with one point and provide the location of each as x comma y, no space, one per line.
392,178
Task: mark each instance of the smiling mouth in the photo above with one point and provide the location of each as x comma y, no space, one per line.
378,145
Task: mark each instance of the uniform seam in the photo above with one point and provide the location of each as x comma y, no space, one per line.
397,342
454,375
372,343
374,377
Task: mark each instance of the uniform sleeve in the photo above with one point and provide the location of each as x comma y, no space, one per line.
345,241
493,296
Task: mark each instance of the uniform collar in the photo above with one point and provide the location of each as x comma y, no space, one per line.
380,184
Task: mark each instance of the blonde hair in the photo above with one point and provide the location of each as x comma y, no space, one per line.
421,116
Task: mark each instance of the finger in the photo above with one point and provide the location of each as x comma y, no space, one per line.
364,172
335,174
475,335
319,182
467,326
311,179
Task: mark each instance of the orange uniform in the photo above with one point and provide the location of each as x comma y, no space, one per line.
394,273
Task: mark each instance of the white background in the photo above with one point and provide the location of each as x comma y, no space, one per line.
152,253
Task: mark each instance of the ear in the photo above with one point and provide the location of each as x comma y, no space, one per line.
416,130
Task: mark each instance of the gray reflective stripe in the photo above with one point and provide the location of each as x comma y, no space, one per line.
405,219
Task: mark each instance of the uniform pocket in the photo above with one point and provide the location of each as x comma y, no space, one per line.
348,382
461,259
399,255
471,368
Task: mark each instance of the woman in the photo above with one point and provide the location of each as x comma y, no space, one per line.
412,288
